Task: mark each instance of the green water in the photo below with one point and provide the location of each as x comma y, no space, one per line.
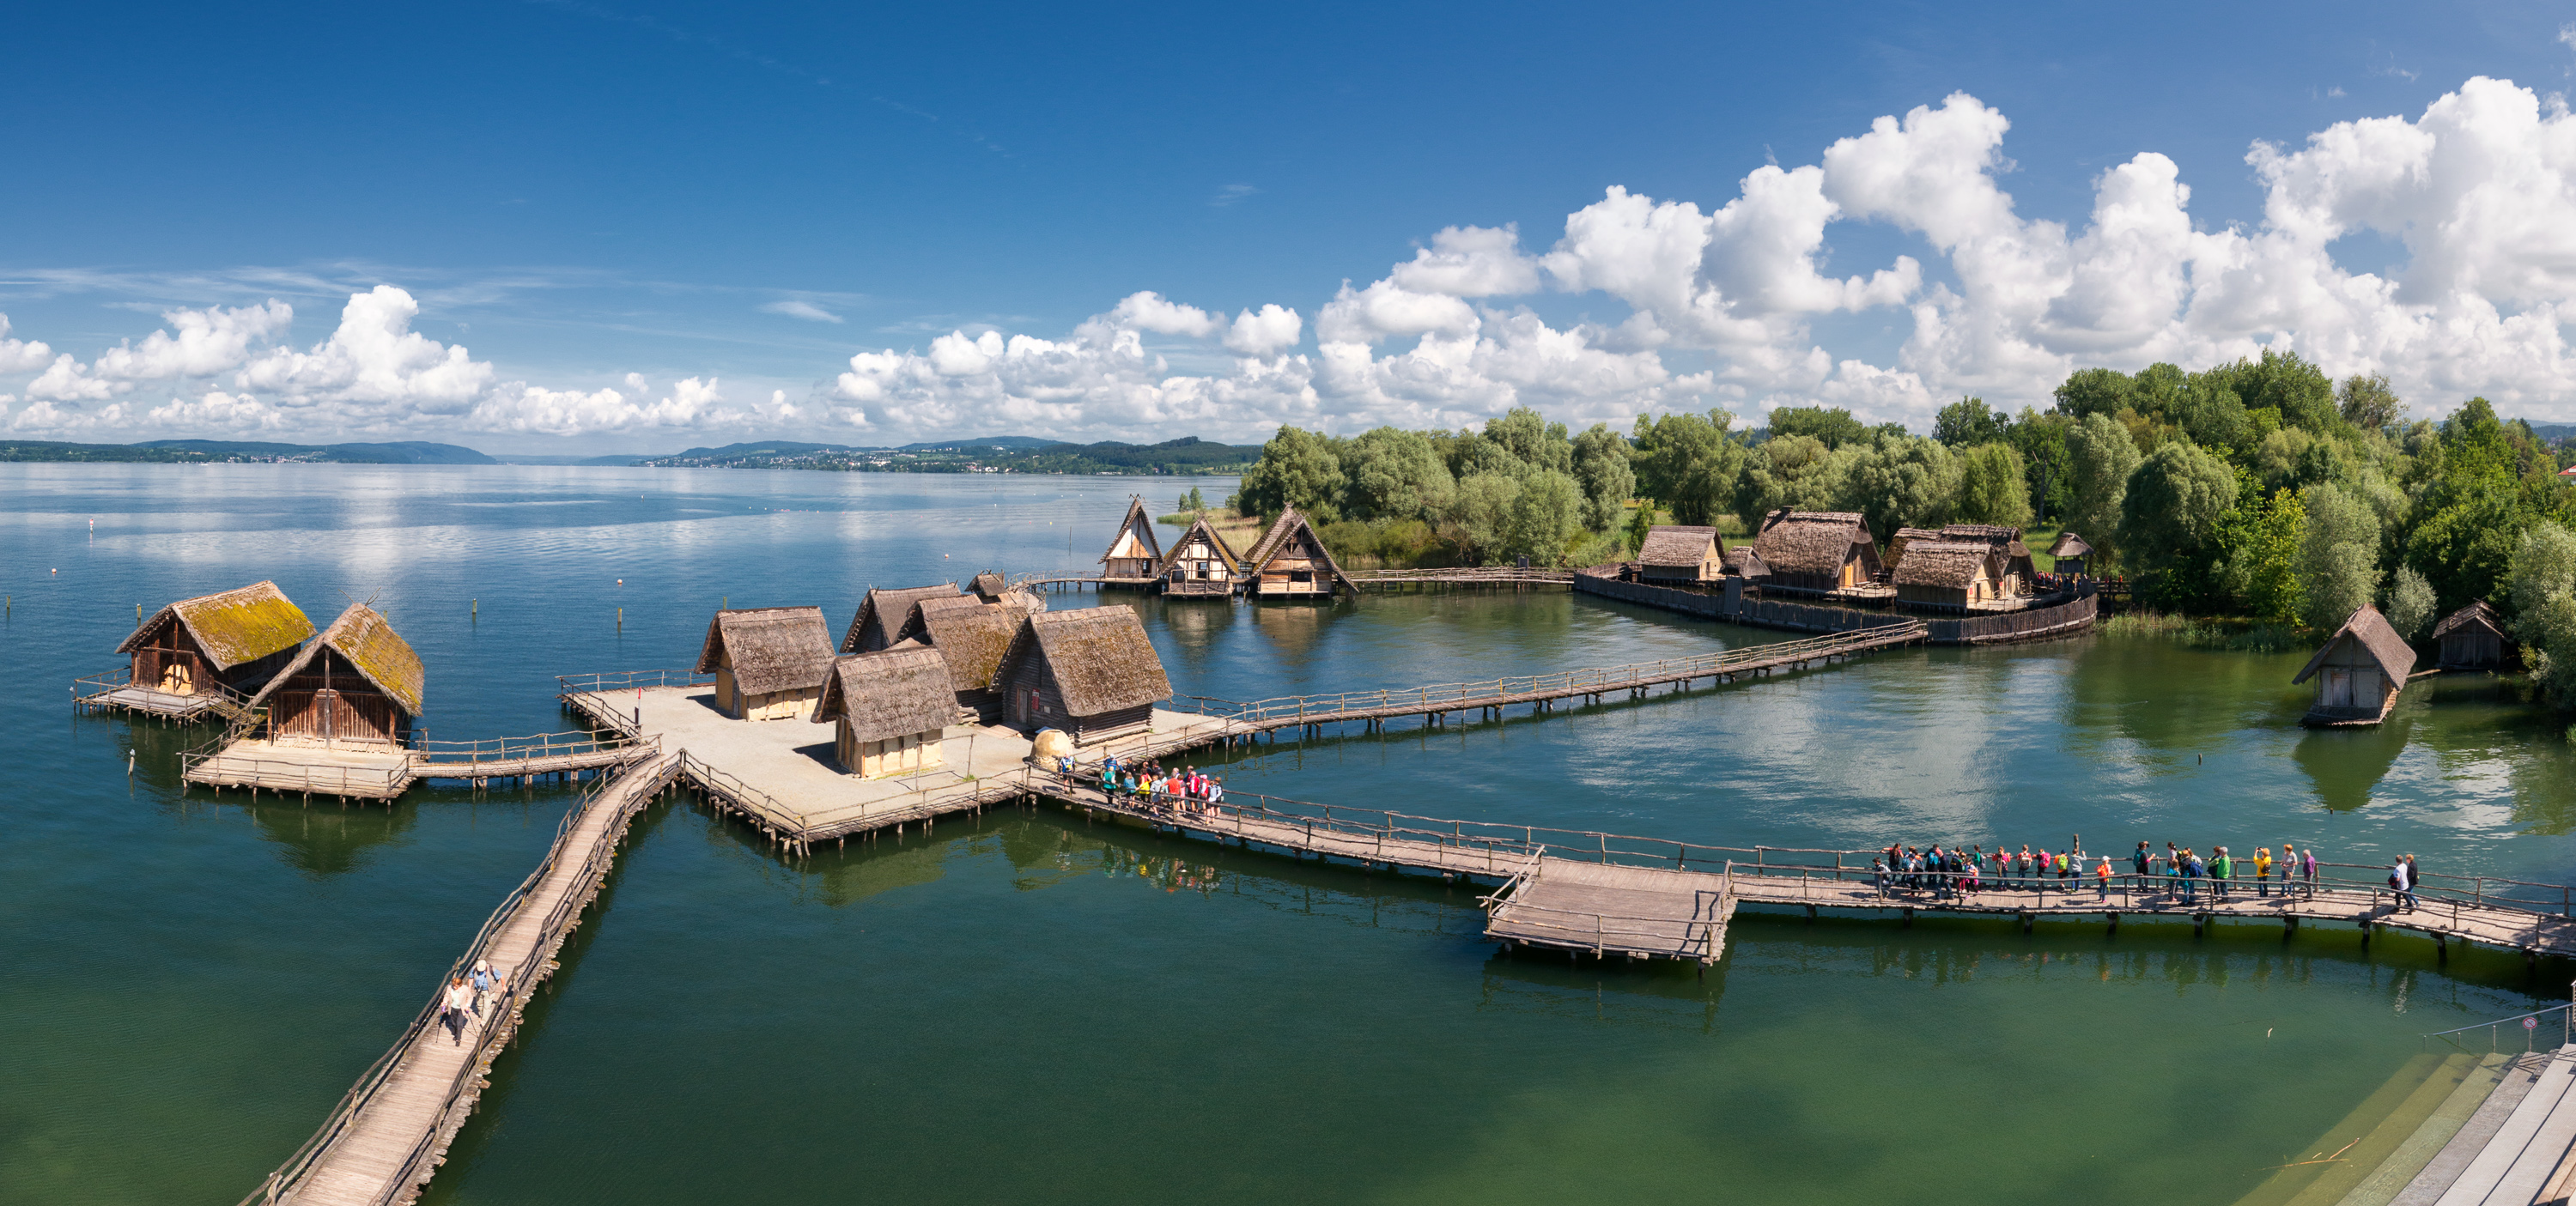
1028,1007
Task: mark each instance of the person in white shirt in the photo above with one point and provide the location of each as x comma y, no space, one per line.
458,1006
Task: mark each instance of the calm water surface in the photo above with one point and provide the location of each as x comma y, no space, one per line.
1026,1007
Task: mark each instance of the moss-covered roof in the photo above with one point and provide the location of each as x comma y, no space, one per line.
368,642
236,626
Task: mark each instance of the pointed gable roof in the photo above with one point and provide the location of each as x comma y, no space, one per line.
1678,544
990,585
2369,629
1135,536
1198,528
2476,614
1291,529
1100,656
1810,542
890,609
771,649
367,641
973,639
2069,545
236,626
1945,564
891,693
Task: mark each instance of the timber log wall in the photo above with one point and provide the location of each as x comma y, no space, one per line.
2038,623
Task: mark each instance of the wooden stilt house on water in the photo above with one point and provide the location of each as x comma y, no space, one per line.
2071,554
1949,574
769,662
1133,552
884,612
1817,552
207,654
989,586
1291,562
2019,571
1089,673
1199,564
2471,638
971,637
1674,554
357,683
889,708
2359,672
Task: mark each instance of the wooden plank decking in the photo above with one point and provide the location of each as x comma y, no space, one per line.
372,771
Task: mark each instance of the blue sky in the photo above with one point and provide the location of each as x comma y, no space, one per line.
619,226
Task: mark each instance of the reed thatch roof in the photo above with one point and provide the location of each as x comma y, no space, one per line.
887,694
2069,545
973,638
1198,528
1743,562
1945,564
1984,533
1810,542
1678,544
2370,630
990,585
771,649
888,609
1291,530
240,625
1140,525
2476,614
367,641
1100,657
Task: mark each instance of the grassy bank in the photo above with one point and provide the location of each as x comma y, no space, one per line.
2236,635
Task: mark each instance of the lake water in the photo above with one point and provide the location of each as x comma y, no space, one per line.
1025,1007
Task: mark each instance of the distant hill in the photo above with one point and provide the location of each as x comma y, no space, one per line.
411,452
984,454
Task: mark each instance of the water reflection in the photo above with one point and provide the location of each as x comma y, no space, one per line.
326,839
2345,764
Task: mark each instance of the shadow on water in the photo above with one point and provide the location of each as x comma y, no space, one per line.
327,838
2345,764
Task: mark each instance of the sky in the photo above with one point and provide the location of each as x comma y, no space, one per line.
563,227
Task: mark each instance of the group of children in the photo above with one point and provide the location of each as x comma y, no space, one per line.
1947,874
1185,786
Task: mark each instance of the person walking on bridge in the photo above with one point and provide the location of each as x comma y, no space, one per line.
2142,861
2262,871
2399,878
2221,869
2308,865
2102,878
455,1009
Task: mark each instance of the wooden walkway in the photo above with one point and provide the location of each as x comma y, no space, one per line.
375,772
392,1130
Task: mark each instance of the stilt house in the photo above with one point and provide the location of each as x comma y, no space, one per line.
1134,552
989,586
971,637
884,612
890,709
2471,638
1904,538
1949,573
769,662
2019,571
2359,672
2070,553
1199,564
1090,673
1290,562
357,682
1817,551
1674,553
237,640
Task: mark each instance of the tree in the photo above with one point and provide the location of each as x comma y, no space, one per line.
1967,423
2368,403
1395,474
1546,514
2410,603
1899,481
1832,425
1992,488
2253,561
2282,381
1297,469
2174,503
1531,439
1479,518
1686,463
1785,471
2339,555
2101,458
2041,441
1602,465
2542,587
2095,391
1193,501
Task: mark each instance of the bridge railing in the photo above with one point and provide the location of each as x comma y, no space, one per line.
222,698
2532,1024
1455,696
223,769
2155,892
628,680
448,755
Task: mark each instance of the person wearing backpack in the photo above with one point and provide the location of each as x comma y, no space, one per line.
2221,868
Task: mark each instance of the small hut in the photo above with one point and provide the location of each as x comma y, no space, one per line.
884,612
1200,563
357,682
972,637
1675,553
1897,543
238,639
769,662
1091,673
989,586
1949,573
2018,569
1817,551
2359,672
1290,562
889,709
1133,552
2471,638
2070,553
1745,574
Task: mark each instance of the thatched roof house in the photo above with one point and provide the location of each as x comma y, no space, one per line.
889,710
2071,553
884,612
1896,544
1742,562
1949,573
2018,568
769,662
357,681
1134,551
1200,563
1290,561
239,639
2360,670
1681,553
1091,673
1817,550
972,637
2472,638
989,585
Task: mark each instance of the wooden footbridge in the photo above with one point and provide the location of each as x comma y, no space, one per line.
375,771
